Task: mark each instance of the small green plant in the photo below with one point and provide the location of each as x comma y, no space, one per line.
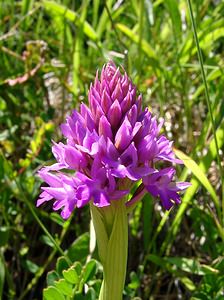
76,282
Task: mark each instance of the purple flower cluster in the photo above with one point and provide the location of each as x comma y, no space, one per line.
109,145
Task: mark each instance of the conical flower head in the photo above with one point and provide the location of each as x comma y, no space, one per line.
110,144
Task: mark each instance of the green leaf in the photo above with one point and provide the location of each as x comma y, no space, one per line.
191,265
3,104
147,215
79,249
52,276
64,287
52,293
78,267
79,296
61,265
135,282
71,275
188,265
208,269
31,266
212,29
89,271
211,37
116,255
210,77
101,234
46,240
4,236
188,283
57,218
158,261
91,294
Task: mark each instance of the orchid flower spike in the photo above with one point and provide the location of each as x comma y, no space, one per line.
110,144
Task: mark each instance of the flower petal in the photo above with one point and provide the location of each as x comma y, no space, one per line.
123,135
105,128
114,114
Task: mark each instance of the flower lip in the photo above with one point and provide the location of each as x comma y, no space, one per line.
160,184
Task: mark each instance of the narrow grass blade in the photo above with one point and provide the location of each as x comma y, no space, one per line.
96,4
173,9
26,6
146,48
208,101
18,191
214,74
189,194
149,11
141,19
104,19
53,7
199,174
78,48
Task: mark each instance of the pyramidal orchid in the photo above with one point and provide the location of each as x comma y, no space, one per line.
110,145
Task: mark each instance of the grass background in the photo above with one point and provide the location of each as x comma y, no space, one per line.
49,53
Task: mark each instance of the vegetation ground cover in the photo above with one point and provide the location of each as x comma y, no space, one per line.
49,52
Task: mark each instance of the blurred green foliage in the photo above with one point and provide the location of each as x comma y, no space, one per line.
50,51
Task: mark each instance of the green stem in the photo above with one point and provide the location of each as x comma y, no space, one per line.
111,226
207,98
23,197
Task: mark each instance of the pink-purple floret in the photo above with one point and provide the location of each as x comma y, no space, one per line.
109,143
